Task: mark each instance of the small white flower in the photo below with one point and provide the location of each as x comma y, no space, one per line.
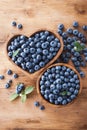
75,48
20,94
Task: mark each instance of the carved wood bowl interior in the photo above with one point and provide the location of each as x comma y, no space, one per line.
57,64
48,64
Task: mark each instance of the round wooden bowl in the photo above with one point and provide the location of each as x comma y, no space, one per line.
51,61
58,64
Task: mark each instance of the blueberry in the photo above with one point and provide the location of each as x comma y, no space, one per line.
68,100
72,80
10,81
42,64
83,40
75,24
72,96
14,23
44,45
23,54
37,67
86,58
69,40
36,103
66,74
7,85
70,30
80,35
56,102
15,75
20,59
51,96
46,96
76,92
47,83
64,102
45,52
42,92
83,64
75,76
28,65
59,99
42,107
26,50
84,27
64,35
61,26
19,26
53,44
71,89
47,92
19,88
82,74
60,32
10,54
76,54
46,33
64,86
1,77
78,86
32,50
75,32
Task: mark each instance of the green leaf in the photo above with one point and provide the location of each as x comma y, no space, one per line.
13,96
78,46
15,53
63,93
23,98
29,89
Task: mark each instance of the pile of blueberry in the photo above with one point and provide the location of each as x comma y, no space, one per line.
69,36
59,85
34,52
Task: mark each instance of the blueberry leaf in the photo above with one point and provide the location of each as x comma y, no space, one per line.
63,93
15,53
23,98
78,46
29,89
13,96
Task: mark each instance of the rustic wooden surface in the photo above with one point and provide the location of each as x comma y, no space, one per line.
34,15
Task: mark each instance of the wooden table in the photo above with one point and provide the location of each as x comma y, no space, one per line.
34,15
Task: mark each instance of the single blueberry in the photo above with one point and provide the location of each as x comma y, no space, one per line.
36,103
75,24
7,85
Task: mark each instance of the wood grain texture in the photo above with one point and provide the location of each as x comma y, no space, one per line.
34,15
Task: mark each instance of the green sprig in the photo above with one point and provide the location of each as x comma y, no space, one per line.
23,94
78,47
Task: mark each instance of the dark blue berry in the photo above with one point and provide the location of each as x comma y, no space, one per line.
19,26
42,107
7,85
13,23
36,103
1,77
15,75
75,24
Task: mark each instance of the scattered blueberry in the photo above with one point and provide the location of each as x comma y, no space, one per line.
19,26
19,88
42,107
36,103
1,77
15,75
13,23
9,72
75,24
7,85
10,81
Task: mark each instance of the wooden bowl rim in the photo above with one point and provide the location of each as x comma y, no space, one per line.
53,65
48,64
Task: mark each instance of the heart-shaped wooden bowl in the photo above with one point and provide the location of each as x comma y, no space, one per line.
58,64
35,74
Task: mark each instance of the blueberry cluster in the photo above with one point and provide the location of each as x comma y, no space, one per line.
34,52
59,85
19,88
70,36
